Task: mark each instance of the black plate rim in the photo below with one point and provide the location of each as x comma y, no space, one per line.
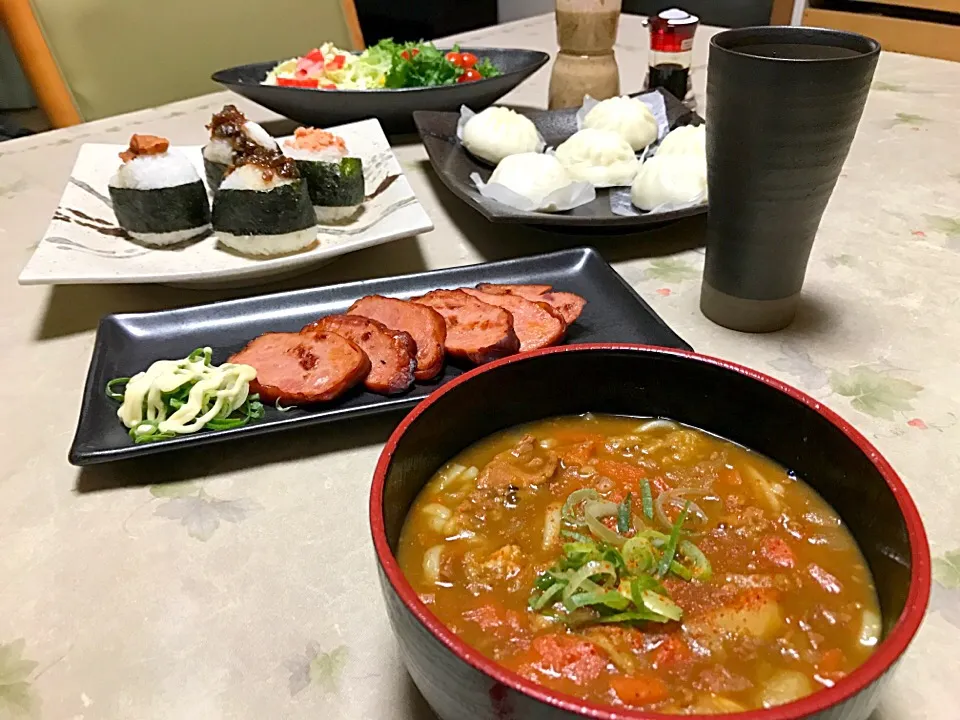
511,216
92,392
540,60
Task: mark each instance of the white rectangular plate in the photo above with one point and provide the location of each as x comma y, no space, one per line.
83,244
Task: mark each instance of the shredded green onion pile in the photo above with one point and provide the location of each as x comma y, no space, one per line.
175,397
604,576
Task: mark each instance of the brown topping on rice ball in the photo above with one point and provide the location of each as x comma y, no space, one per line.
145,145
227,124
270,163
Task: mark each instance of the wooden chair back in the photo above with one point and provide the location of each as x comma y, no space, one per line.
87,59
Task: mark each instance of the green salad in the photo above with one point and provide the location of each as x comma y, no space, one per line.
385,65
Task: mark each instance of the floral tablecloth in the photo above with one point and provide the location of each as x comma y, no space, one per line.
241,582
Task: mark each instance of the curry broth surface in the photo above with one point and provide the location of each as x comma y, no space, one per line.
790,607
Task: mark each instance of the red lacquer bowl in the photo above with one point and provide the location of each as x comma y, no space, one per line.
734,402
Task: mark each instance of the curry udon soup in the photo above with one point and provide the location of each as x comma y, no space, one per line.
641,563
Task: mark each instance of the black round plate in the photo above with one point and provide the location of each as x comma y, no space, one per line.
392,107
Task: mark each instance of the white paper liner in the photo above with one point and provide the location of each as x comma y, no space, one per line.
654,102
566,198
621,204
465,114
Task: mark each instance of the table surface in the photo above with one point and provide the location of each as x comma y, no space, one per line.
201,585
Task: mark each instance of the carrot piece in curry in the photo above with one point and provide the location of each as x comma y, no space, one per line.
579,454
640,689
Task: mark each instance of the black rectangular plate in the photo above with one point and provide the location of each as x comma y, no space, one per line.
454,165
127,344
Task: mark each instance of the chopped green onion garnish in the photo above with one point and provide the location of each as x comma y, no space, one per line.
148,431
548,596
680,571
599,581
205,353
702,570
608,598
631,617
577,554
656,538
575,536
613,556
593,511
638,555
113,394
648,582
582,577
671,547
646,497
623,514
572,512
543,581
661,605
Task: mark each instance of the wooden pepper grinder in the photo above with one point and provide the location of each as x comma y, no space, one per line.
586,64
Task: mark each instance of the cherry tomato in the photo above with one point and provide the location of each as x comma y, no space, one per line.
409,55
314,56
337,62
470,75
306,82
468,59
455,58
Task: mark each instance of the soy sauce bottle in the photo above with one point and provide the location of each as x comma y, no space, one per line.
671,53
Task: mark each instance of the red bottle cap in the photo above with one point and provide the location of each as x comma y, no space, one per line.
672,31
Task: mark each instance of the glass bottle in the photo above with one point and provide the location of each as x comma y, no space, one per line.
671,53
586,64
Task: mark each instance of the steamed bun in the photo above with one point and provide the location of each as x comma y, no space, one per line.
600,157
685,140
675,179
498,132
626,116
534,176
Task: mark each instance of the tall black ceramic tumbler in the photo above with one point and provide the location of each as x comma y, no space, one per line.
783,105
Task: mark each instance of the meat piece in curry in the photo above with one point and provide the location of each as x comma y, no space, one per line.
523,465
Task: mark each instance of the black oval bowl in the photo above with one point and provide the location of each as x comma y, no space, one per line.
392,107
734,402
